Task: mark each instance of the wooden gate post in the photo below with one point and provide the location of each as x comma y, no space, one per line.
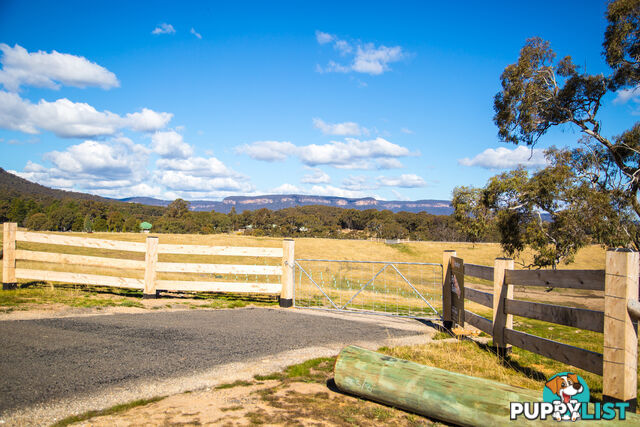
457,291
501,291
447,319
620,361
9,255
151,261
288,279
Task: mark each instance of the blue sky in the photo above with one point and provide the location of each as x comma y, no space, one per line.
203,100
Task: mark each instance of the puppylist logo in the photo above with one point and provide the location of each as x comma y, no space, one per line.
566,398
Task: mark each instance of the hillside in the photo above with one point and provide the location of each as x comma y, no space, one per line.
13,186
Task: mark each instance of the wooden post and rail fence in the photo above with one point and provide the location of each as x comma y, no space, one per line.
150,284
618,364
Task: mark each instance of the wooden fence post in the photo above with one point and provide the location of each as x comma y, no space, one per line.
447,319
457,291
151,261
501,291
288,279
9,255
620,361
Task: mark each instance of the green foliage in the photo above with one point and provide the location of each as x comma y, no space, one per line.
539,93
177,209
473,218
621,45
554,211
37,221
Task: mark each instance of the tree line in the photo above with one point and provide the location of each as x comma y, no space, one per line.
51,214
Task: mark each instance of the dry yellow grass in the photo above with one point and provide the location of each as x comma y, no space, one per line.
466,358
591,257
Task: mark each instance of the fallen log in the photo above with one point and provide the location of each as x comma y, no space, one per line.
436,393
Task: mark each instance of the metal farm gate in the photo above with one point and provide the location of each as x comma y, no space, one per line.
408,289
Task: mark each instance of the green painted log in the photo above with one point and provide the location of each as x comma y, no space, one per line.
436,393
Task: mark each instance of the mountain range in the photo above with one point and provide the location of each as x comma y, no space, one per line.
14,186
277,202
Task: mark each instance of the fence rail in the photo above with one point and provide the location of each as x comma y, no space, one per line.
573,279
618,322
150,285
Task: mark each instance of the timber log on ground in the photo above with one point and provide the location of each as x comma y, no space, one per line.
435,393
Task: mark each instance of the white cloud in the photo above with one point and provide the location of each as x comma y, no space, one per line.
193,31
389,164
69,119
99,160
374,60
330,190
287,189
50,70
360,183
118,168
170,144
185,182
349,152
367,58
191,176
504,158
164,28
625,95
15,113
334,67
317,177
147,120
344,129
269,151
357,165
197,166
343,47
139,190
323,38
115,168
404,181
407,131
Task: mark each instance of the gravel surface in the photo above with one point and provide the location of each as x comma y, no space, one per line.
69,359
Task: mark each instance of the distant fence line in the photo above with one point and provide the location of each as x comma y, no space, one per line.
618,364
150,285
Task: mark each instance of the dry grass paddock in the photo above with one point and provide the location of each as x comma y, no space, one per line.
591,257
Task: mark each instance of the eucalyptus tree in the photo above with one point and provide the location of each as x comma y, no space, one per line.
540,92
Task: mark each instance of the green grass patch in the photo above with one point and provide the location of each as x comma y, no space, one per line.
40,294
273,376
311,370
109,411
238,383
403,248
441,336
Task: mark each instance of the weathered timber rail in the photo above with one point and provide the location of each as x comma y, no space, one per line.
150,284
618,363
